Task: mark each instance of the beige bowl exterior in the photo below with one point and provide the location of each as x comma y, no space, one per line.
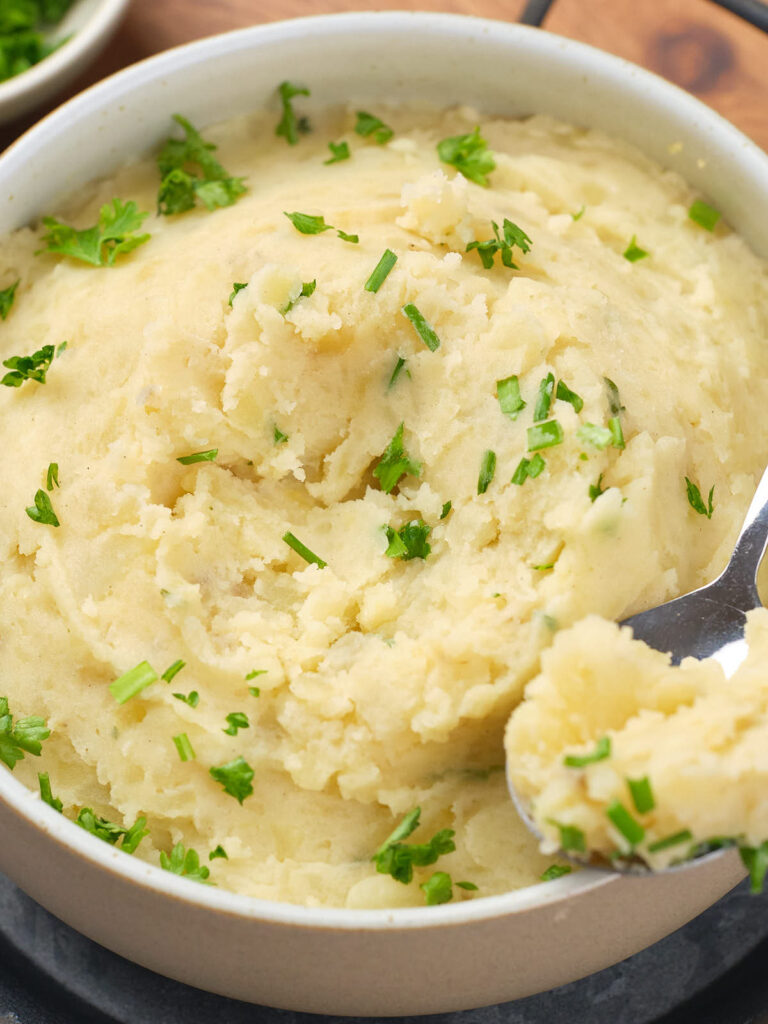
404,961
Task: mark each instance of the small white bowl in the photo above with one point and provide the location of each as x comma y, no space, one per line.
364,962
90,24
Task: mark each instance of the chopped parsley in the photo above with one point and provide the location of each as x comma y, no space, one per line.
307,289
438,888
633,252
46,794
34,367
598,437
696,501
278,436
755,860
579,213
190,460
625,822
289,126
7,295
132,682
192,698
339,152
114,235
236,720
256,672
528,468
52,476
571,837
544,567
469,886
173,670
423,329
237,286
487,470
513,235
469,154
642,794
595,490
601,752
347,238
185,863
704,215
110,832
26,735
399,366
179,188
544,398
184,747
508,394
398,859
564,394
310,224
254,691
684,836
236,778
446,509
42,510
380,271
555,871
370,126
395,463
218,852
409,542
301,549
544,435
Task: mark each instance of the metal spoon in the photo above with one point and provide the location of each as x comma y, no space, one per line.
706,623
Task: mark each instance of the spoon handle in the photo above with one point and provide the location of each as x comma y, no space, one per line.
741,573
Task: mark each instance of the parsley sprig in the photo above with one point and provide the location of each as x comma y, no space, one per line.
34,367
398,859
26,735
184,862
395,463
7,295
503,244
236,777
371,127
410,541
696,501
113,235
110,832
290,126
468,154
180,188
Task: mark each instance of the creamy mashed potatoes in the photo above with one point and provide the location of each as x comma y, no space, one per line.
386,682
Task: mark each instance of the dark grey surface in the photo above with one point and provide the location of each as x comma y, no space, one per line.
51,975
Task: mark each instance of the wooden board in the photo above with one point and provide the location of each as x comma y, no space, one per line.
694,43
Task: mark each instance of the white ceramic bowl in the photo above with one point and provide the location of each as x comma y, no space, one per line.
403,961
90,24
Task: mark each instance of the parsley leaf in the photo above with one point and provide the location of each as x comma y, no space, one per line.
487,471
52,476
447,506
398,859
513,235
236,720
301,549
696,501
26,735
34,367
110,832
595,490
564,394
236,778
185,863
42,510
347,238
114,235
46,795
307,289
571,837
289,125
438,888
277,435
207,456
370,126
308,223
468,154
633,252
7,295
395,463
180,189
410,541
555,871
218,852
237,286
339,152
704,215
192,698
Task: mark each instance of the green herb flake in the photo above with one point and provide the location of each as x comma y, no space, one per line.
469,154
544,398
684,836
301,549
642,794
219,852
395,463
579,214
207,456
696,501
423,329
339,152
132,682
601,752
256,672
237,286
617,434
354,239
173,670
555,871
487,470
571,837
438,888
184,747
370,126
528,468
42,511
25,736
7,295
544,567
185,863
595,490
398,859
192,698
544,435
468,886
236,778
755,860
564,394
625,823
254,691
307,289
399,366
633,252
46,795
409,542
614,400
236,720
34,367
598,437
512,235
508,394
380,271
180,188
52,476
307,223
278,436
289,126
704,215
446,509
114,235
110,832
61,348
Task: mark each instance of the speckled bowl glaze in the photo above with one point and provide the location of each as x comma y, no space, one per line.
385,962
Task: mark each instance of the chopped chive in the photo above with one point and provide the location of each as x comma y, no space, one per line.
380,271
598,437
46,794
254,691
190,460
544,435
571,837
755,859
396,372
528,468
555,871
633,252
307,289
339,152
256,672
468,886
487,470
302,550
347,238
370,126
601,752
173,670
52,476
564,394
614,401
544,567
307,223
237,286
446,509
535,466
685,836
544,398
132,682
579,213
703,214
184,747
629,826
508,394
61,348
617,434
423,329
192,698
7,295
695,499
218,852
395,463
595,490
642,794
42,510
278,436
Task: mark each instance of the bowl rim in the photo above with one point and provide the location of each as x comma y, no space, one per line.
26,802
